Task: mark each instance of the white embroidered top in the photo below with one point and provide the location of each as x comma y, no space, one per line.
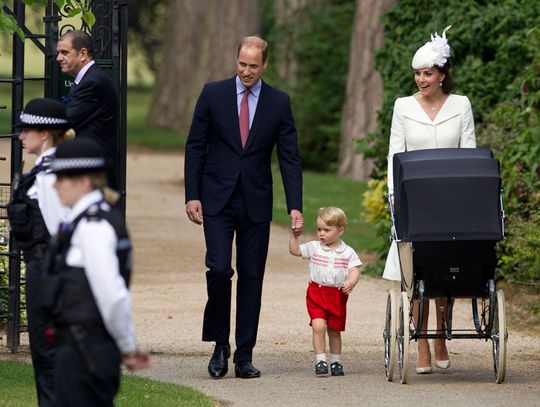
327,266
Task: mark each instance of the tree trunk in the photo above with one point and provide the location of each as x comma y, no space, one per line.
364,94
286,16
201,46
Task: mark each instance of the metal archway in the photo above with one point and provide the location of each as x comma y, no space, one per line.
110,42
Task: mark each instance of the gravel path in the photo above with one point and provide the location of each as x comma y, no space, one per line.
169,296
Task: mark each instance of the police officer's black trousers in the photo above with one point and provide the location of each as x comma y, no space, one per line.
42,351
76,384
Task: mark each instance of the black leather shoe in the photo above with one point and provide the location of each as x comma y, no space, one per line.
337,369
246,370
218,366
321,368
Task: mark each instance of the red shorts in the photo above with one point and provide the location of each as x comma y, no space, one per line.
328,303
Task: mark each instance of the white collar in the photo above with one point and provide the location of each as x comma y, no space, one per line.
449,109
255,89
47,152
84,203
84,69
340,249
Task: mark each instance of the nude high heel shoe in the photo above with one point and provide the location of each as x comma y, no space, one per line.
424,370
442,364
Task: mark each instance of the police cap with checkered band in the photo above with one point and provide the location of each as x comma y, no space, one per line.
43,113
79,156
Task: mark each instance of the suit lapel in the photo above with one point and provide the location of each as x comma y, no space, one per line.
88,73
448,110
232,112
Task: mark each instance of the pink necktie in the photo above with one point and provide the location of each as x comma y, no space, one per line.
244,117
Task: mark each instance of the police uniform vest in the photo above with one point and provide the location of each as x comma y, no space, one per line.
26,220
69,296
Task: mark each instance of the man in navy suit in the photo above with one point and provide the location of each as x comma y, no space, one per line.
92,103
236,124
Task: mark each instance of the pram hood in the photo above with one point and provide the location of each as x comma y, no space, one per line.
447,194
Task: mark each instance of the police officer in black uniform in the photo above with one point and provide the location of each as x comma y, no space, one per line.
35,212
89,265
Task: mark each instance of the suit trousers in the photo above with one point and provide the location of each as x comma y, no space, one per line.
251,251
42,352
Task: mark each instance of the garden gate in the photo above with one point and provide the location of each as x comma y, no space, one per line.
110,42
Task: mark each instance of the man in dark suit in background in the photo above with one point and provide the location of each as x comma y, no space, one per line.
93,103
236,124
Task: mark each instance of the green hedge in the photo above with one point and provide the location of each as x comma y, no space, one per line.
513,131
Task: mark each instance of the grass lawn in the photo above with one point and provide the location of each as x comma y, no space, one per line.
17,390
327,190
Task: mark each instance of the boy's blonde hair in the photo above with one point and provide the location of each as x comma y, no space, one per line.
332,216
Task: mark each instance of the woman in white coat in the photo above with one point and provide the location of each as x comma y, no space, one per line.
431,118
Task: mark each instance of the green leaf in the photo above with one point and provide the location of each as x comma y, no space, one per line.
89,18
74,11
32,2
8,25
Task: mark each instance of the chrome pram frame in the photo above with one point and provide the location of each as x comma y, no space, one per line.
487,302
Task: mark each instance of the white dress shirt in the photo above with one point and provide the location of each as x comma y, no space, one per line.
43,191
93,247
81,73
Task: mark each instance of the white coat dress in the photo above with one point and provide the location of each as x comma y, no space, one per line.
412,129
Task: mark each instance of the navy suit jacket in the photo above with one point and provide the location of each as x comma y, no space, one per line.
215,160
93,110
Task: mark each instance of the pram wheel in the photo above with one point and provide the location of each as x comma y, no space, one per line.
403,336
389,335
499,336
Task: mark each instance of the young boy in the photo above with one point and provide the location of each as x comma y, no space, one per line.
88,268
333,272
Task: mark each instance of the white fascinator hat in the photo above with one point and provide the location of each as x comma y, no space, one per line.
434,52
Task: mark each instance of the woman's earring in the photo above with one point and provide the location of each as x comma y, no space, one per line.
440,84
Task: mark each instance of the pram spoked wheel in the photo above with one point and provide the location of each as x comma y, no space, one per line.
389,335
403,337
499,336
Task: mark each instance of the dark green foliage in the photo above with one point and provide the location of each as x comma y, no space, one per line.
514,134
318,40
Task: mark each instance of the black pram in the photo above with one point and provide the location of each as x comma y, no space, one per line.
447,216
